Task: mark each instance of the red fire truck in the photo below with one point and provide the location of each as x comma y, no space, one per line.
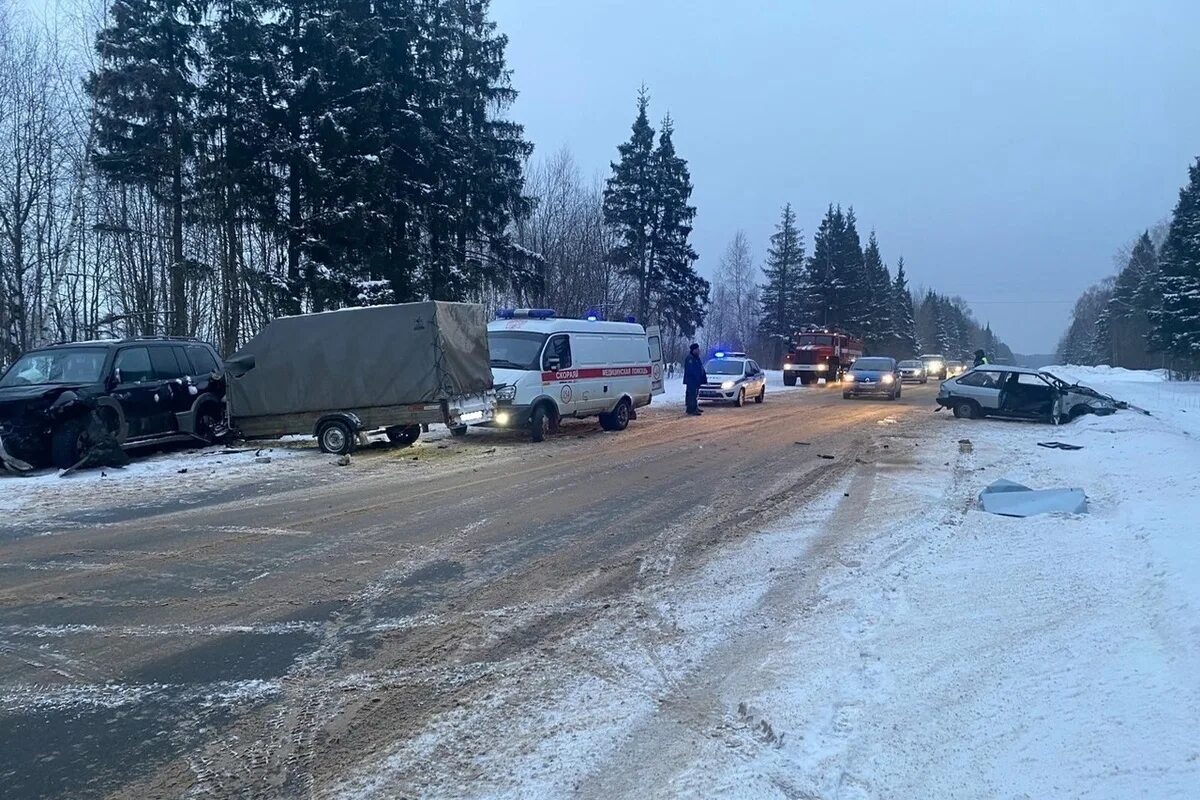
817,354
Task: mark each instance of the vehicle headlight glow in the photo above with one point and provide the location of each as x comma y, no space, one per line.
727,385
887,379
849,377
502,418
936,366
822,367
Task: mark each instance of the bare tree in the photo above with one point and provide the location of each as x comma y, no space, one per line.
733,315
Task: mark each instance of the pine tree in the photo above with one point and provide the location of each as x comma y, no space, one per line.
822,282
1177,322
853,299
682,294
1124,326
630,208
904,325
144,98
877,325
235,184
480,185
782,295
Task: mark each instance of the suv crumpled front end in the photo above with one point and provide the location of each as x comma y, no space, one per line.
27,417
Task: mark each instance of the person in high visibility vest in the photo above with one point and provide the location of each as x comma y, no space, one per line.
980,358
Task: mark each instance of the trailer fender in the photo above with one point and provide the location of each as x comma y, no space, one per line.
348,417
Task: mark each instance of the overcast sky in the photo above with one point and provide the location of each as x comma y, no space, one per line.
1005,149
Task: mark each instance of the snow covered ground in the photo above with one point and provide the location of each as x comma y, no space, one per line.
893,641
674,395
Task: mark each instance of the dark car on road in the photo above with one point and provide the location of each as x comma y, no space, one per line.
140,391
874,376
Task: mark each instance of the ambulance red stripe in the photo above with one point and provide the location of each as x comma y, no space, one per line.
564,375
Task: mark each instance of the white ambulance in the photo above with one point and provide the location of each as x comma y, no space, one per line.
547,369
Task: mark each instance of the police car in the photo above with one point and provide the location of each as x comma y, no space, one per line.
733,378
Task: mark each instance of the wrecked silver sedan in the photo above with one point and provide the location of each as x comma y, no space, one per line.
994,390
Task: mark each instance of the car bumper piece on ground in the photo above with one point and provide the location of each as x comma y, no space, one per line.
10,461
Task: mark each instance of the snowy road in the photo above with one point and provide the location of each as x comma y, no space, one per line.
694,608
261,635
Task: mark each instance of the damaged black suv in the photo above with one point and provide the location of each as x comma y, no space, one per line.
135,391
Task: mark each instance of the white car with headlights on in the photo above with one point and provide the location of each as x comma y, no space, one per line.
733,378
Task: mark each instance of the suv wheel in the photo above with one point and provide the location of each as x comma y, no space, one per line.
336,437
207,425
741,398
761,395
67,443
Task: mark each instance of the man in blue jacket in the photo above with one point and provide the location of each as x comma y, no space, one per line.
693,376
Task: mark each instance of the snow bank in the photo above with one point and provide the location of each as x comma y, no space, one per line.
147,480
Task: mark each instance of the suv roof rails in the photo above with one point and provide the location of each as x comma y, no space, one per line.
163,338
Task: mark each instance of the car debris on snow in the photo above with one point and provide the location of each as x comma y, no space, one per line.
1010,499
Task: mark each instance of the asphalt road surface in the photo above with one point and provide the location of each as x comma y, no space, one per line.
251,644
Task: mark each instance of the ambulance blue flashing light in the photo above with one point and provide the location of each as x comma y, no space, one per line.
631,318
719,354
593,315
528,313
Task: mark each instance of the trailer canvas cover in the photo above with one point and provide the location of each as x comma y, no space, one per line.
364,357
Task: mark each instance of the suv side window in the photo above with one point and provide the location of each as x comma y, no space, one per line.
982,379
166,368
559,347
134,365
202,360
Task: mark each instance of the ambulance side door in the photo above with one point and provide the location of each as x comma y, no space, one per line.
654,340
560,377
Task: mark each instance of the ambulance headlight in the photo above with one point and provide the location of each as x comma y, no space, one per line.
507,393
502,418
727,385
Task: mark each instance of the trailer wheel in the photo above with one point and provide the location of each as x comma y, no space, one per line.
539,423
336,438
403,435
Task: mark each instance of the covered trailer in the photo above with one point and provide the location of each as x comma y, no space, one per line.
341,374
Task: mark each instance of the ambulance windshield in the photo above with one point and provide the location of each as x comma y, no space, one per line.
515,349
